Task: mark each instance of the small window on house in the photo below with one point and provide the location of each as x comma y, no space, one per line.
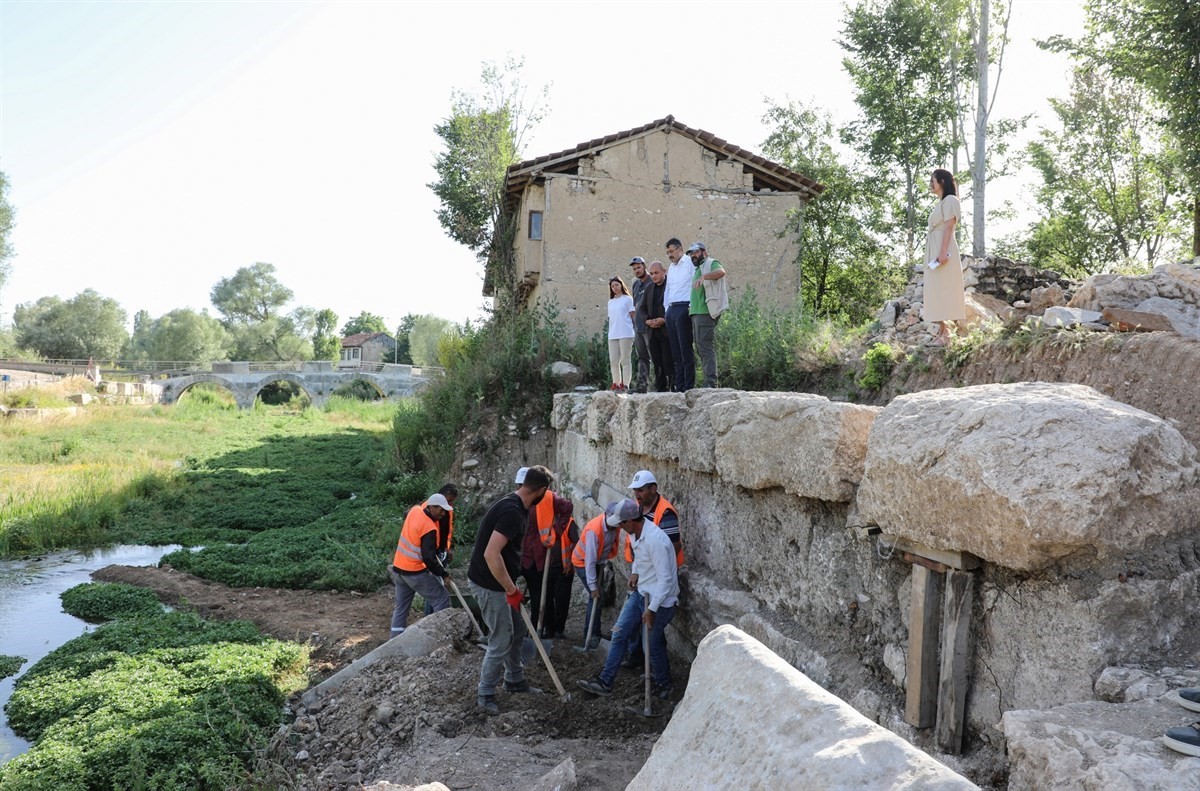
535,225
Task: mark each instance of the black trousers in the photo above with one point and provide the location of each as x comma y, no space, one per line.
558,594
533,580
660,355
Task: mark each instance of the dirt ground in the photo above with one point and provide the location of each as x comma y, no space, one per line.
412,721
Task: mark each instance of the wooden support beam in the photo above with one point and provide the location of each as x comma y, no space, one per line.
956,659
924,618
964,561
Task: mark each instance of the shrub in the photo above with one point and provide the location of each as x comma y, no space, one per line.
880,359
102,601
9,665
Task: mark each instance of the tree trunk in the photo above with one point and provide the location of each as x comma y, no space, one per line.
1196,227
979,185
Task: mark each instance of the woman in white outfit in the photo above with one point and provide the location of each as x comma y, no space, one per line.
620,333
944,298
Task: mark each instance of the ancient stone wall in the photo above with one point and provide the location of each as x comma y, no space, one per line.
1088,559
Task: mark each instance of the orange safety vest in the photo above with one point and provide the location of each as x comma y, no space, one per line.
579,556
565,545
659,511
544,519
408,548
449,532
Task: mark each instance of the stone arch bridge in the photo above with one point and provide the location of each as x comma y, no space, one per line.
317,379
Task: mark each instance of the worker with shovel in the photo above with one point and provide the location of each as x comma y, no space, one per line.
655,577
597,544
495,563
645,490
416,567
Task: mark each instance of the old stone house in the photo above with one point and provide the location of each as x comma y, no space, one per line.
583,213
367,347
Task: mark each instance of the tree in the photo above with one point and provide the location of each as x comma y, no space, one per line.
902,80
251,303
427,333
483,136
87,325
844,271
183,334
1111,185
1155,43
364,322
326,345
6,227
403,335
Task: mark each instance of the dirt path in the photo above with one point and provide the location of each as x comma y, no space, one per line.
414,721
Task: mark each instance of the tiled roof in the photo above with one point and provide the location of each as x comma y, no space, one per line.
358,339
770,173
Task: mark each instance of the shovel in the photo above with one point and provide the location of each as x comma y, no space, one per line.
463,602
562,693
648,711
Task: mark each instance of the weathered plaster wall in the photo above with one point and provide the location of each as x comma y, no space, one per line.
628,201
767,487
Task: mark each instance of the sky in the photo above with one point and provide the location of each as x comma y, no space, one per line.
153,148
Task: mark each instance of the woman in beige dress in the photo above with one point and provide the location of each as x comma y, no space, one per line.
944,299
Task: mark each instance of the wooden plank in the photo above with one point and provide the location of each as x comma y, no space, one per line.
932,565
956,660
920,709
964,561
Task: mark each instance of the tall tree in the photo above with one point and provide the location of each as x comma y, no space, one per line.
900,68
484,134
364,322
1157,44
183,335
1111,186
844,271
251,303
426,335
6,226
327,344
87,325
403,336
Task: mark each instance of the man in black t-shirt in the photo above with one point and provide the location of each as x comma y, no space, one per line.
495,563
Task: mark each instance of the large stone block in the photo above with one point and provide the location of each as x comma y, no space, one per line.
597,425
569,411
806,444
649,425
1028,474
697,440
1097,745
750,720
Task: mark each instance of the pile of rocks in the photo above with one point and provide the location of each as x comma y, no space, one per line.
1168,298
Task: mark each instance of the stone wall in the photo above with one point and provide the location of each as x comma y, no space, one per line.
772,489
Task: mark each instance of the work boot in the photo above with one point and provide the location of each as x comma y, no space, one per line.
487,704
521,688
662,691
596,686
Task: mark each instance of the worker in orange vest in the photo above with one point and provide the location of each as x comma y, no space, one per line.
560,572
539,536
597,544
415,566
660,511
445,541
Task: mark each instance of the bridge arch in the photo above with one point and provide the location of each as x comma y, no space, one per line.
282,376
175,388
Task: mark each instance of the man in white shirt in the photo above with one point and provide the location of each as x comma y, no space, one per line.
678,301
655,579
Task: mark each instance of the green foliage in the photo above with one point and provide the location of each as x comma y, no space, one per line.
879,361
845,274
425,336
251,303
9,665
6,227
162,701
403,350
103,601
359,389
179,335
1111,184
901,73
87,325
326,343
767,348
33,398
364,322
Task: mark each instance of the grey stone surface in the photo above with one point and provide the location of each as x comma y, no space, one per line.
806,444
1098,746
1028,474
560,778
1062,316
1184,318
776,728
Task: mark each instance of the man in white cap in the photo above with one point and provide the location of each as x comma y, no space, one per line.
653,604
660,511
641,332
710,298
416,567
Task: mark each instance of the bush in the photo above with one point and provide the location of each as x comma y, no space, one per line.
101,601
9,665
880,359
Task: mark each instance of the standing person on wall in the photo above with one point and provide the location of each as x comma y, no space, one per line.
943,293
710,298
620,334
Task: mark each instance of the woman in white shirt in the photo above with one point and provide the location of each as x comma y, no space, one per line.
620,333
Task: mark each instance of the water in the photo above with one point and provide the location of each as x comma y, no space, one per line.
32,622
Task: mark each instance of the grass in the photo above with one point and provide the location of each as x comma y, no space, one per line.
102,601
163,701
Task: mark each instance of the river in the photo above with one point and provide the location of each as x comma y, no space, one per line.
32,622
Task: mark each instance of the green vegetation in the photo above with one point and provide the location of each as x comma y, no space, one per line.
879,361
9,665
102,601
166,701
33,398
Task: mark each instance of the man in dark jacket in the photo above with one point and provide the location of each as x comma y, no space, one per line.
656,324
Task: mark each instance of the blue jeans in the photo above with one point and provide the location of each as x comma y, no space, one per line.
630,623
407,586
679,333
506,629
